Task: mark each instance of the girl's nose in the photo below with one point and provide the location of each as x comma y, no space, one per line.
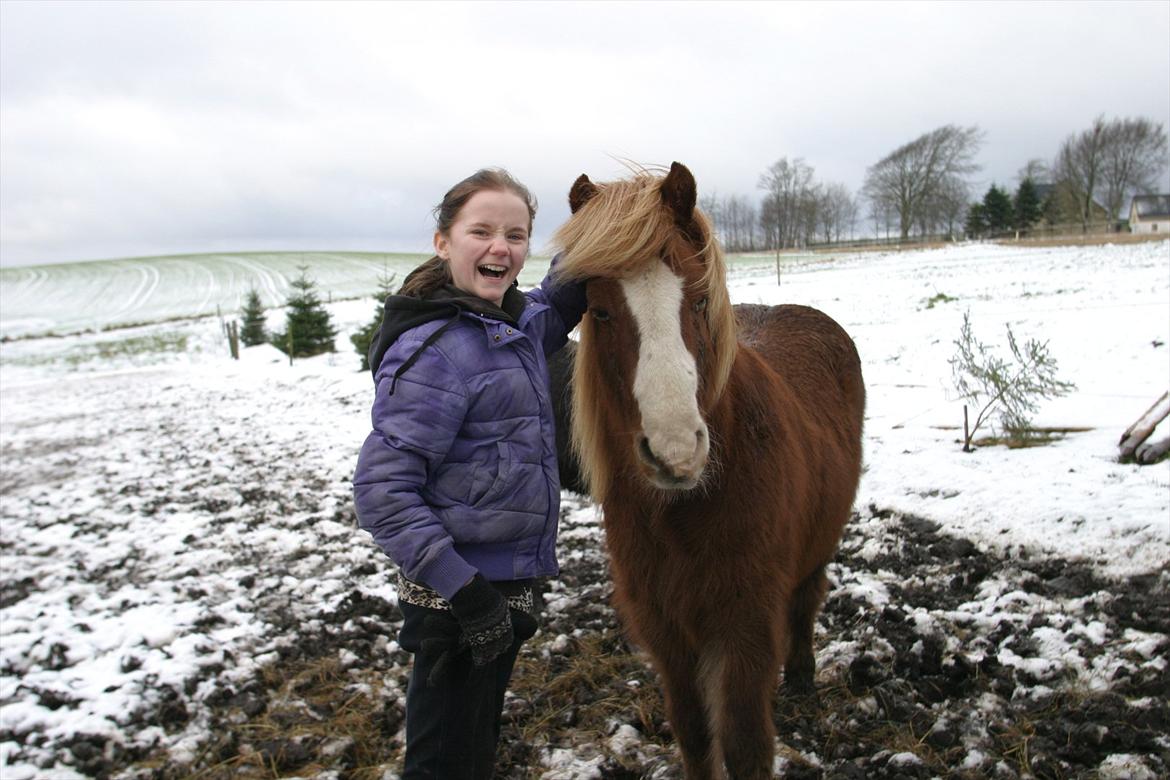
499,246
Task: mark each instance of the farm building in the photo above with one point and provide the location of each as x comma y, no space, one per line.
1150,214
1063,208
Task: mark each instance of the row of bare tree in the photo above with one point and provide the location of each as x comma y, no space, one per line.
922,187
796,210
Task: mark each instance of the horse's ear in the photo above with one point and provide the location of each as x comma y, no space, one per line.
581,193
679,193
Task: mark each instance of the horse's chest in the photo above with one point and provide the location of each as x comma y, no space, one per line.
661,552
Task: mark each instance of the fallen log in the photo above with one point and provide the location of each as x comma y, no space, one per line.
1140,431
1150,452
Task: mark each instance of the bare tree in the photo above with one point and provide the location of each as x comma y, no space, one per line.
950,206
826,214
785,212
908,180
849,213
809,205
882,214
712,206
1078,168
742,219
1135,156
770,229
1035,169
837,211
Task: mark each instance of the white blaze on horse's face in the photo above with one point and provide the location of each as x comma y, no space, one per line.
674,441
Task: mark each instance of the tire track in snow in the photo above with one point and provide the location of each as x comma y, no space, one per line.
211,286
26,282
149,282
149,277
270,281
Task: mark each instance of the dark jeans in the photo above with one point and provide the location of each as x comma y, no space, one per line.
453,718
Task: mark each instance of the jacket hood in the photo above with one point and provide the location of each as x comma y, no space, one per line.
404,312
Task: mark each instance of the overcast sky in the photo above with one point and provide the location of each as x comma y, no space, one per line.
157,128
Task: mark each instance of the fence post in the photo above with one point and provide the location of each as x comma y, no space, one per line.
234,339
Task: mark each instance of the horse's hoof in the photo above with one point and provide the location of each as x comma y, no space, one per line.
801,689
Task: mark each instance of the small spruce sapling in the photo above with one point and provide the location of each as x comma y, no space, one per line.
309,328
363,338
1011,388
254,330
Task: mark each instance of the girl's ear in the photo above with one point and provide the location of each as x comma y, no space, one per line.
441,245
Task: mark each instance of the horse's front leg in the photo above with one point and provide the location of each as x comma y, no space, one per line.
747,667
681,677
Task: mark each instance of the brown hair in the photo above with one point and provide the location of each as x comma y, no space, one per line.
435,273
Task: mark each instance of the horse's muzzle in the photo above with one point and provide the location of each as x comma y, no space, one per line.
679,474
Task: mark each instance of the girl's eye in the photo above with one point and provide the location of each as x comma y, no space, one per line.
599,314
517,237
479,232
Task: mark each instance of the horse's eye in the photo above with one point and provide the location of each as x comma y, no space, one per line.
599,314
700,306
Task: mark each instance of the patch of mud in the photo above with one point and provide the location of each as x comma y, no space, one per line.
935,659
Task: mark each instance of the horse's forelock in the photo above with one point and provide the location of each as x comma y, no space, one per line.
617,232
625,226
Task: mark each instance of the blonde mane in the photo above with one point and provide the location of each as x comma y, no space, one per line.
620,230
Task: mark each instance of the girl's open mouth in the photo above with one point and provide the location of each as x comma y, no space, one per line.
493,271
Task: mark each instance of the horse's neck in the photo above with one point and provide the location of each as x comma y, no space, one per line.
750,410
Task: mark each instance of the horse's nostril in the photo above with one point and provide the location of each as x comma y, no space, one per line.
646,452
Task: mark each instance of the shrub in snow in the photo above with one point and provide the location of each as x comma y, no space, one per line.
1011,388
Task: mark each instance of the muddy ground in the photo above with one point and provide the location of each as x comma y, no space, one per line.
940,680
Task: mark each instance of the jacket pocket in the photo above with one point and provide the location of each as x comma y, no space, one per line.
487,490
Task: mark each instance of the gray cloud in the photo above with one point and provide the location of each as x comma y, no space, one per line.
142,128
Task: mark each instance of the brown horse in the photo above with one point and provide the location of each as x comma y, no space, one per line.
724,445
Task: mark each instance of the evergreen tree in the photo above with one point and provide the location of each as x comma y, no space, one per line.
976,224
308,328
1027,205
254,330
364,337
997,208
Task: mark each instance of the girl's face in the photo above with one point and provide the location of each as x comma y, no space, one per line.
487,244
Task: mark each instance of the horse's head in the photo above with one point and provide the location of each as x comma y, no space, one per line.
658,339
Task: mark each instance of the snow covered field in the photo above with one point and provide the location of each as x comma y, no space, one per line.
175,525
73,297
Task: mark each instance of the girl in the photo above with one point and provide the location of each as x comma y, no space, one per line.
458,481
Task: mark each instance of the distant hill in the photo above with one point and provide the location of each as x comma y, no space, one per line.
72,297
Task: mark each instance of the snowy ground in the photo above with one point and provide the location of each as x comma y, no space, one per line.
177,540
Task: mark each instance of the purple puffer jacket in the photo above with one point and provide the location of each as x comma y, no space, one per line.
459,474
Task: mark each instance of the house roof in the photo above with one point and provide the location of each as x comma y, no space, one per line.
1045,191
1151,206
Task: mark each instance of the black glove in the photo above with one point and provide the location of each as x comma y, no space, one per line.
524,625
442,636
482,612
